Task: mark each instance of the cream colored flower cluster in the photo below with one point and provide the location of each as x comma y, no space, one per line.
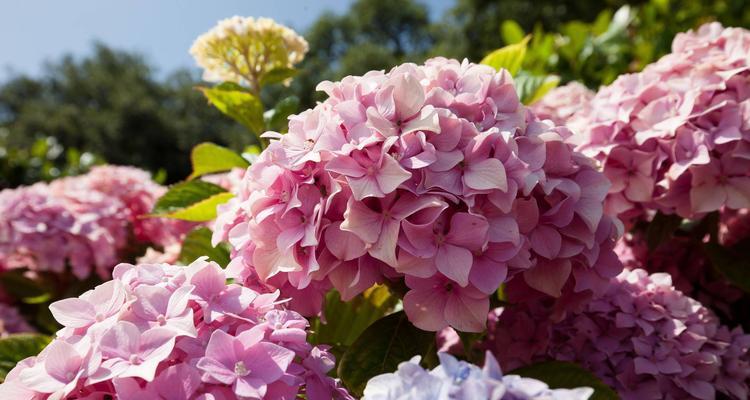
243,50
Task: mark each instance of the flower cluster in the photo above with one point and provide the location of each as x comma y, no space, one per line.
686,261
435,174
163,331
87,222
563,104
643,338
244,50
675,136
454,379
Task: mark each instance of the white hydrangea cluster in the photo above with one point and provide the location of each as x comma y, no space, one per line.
243,50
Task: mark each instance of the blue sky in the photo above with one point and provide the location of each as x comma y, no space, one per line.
34,31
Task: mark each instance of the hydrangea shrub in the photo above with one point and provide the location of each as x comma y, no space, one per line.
674,137
642,337
164,331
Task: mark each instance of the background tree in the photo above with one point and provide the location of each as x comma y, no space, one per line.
110,104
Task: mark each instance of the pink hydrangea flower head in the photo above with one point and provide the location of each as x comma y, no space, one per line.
642,337
674,137
86,223
170,332
435,175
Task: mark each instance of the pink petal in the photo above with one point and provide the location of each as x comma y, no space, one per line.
707,198
467,314
548,277
391,175
344,245
221,349
408,95
364,187
73,312
425,309
468,230
546,241
486,175
346,166
268,361
454,262
385,248
362,221
738,192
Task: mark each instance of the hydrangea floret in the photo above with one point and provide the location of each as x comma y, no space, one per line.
642,337
164,331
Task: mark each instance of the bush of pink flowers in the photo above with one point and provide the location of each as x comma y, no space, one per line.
432,174
642,337
87,222
674,137
170,332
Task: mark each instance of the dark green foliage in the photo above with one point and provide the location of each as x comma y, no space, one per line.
111,105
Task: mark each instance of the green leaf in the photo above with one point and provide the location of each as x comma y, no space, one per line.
560,374
345,321
197,243
511,31
381,347
191,201
733,263
276,118
16,347
509,57
531,88
209,158
238,103
618,26
277,75
27,290
661,228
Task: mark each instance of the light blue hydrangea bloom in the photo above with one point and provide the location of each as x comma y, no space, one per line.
459,380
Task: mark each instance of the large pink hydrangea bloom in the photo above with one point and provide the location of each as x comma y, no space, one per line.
676,136
170,332
563,104
86,222
642,337
435,174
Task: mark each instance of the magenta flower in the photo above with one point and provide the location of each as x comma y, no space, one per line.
245,362
130,352
94,306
